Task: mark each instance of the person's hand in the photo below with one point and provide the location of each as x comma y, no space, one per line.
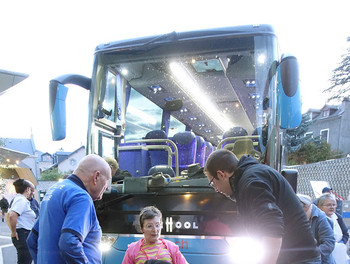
15,235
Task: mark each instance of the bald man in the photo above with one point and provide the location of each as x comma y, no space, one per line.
67,230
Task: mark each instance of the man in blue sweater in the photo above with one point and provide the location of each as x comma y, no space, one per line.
67,230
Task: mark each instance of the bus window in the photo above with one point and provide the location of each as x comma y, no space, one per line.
175,126
141,117
109,101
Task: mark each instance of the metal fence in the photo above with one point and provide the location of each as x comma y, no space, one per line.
336,172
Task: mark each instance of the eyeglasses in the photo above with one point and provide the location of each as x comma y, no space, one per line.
211,183
151,226
329,205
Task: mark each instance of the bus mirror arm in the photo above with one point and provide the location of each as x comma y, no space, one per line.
57,101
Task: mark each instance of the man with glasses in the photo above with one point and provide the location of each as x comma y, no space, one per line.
270,210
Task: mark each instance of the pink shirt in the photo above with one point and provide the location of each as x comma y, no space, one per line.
153,251
132,254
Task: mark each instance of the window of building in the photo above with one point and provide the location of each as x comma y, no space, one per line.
325,113
309,134
324,134
46,158
72,162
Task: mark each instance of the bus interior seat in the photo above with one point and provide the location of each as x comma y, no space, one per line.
208,149
186,143
262,132
200,151
233,132
134,158
256,132
165,169
157,156
245,147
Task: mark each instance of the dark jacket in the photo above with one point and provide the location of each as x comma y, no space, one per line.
269,207
344,229
4,204
120,175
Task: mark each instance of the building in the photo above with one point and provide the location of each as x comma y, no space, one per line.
45,161
9,79
68,165
27,146
332,124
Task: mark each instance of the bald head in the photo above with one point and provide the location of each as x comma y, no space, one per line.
95,174
222,160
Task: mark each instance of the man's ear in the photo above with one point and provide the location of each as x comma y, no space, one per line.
222,175
95,177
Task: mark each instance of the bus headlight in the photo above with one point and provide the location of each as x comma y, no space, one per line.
107,241
245,250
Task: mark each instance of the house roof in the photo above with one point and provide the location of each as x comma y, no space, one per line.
20,144
68,155
75,151
9,79
334,110
11,157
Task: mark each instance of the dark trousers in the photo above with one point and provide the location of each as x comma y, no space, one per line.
23,255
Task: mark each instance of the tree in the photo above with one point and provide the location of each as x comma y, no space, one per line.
311,152
340,81
296,137
51,175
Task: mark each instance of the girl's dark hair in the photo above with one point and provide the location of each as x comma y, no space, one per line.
149,212
21,185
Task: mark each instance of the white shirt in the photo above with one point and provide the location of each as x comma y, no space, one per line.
338,233
21,206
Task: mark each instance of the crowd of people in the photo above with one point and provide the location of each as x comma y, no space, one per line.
292,228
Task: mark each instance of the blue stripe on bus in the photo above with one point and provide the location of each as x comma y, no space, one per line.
346,214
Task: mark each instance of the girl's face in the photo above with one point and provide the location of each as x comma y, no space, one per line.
329,207
151,229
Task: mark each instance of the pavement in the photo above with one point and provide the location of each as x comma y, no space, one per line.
8,254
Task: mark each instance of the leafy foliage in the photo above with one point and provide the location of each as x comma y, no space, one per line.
295,138
340,80
51,175
303,149
311,152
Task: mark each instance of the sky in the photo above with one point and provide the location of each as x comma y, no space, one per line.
46,39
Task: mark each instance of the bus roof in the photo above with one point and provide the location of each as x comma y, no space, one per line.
187,35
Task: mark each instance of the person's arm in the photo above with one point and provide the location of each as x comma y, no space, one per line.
126,259
32,241
272,246
344,229
71,248
325,237
12,222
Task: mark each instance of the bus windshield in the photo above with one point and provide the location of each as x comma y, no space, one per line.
214,94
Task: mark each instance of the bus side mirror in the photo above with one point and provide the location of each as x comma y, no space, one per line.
58,94
288,93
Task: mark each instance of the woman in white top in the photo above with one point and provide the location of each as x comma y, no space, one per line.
21,219
328,204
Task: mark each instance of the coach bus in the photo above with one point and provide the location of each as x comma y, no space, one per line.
160,105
